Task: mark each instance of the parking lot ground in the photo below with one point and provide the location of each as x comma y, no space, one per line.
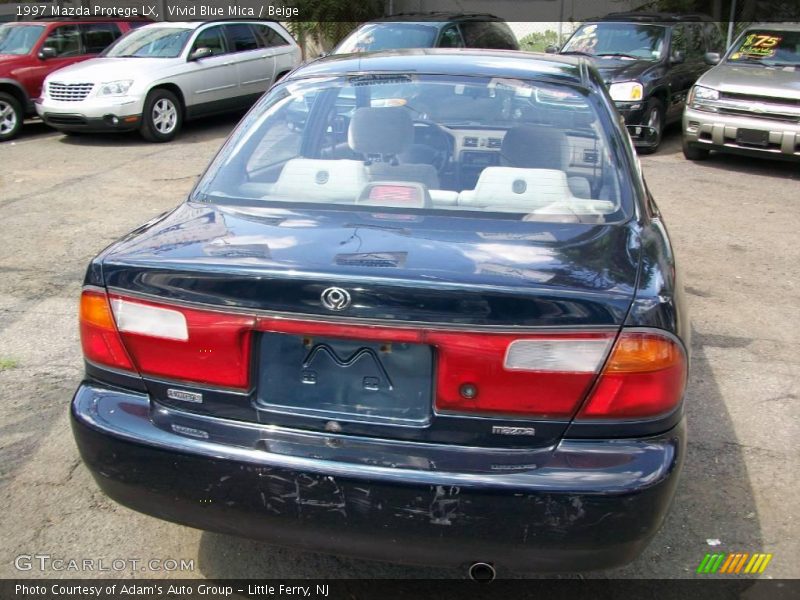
734,225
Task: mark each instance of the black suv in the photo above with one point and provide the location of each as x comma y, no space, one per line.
430,30
649,62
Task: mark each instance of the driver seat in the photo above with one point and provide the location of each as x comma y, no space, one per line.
384,135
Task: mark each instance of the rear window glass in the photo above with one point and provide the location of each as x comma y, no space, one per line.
389,36
522,149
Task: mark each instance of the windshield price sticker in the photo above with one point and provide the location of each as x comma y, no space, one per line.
757,44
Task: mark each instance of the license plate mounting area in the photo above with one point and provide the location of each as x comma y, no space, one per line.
346,379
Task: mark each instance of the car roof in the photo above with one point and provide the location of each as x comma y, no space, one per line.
437,17
774,26
197,24
452,61
661,18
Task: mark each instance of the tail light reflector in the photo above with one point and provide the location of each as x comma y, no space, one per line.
173,342
176,342
532,376
135,317
645,376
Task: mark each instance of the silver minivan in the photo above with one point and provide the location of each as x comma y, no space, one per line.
158,76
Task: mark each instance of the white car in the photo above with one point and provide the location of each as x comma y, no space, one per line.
159,75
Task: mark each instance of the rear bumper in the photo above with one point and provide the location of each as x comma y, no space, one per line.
716,131
586,504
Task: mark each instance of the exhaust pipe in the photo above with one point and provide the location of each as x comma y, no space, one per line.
481,571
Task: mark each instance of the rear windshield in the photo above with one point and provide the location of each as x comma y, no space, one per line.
150,42
19,39
388,36
767,47
530,150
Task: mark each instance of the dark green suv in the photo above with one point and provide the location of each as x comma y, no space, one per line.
432,30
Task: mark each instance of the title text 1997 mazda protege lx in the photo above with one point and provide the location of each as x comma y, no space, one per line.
421,308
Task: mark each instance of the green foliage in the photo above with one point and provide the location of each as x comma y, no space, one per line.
8,363
327,22
537,42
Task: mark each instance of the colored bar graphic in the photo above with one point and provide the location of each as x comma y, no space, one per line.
734,563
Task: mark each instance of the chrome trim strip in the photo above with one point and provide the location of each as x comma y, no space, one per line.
343,320
256,80
216,89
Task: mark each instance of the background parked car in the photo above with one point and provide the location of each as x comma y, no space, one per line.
750,102
649,62
31,50
430,31
160,75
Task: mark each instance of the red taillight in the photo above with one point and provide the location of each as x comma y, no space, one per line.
99,337
525,375
172,342
482,373
645,376
175,342
530,375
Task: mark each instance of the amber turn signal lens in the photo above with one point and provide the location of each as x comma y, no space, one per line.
99,336
96,311
644,377
643,352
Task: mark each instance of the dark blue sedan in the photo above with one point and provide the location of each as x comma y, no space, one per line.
420,308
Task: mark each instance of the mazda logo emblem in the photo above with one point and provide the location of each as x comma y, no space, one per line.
335,298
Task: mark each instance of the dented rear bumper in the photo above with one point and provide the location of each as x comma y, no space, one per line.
584,504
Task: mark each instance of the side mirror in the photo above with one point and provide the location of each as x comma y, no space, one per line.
677,57
47,52
712,58
552,49
201,53
323,54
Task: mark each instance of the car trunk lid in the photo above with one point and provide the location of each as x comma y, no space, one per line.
371,324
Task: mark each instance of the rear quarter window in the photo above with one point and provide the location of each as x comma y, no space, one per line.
98,36
268,37
241,37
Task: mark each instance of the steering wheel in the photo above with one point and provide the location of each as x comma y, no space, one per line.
435,137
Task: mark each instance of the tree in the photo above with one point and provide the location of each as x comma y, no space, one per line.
538,42
329,21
